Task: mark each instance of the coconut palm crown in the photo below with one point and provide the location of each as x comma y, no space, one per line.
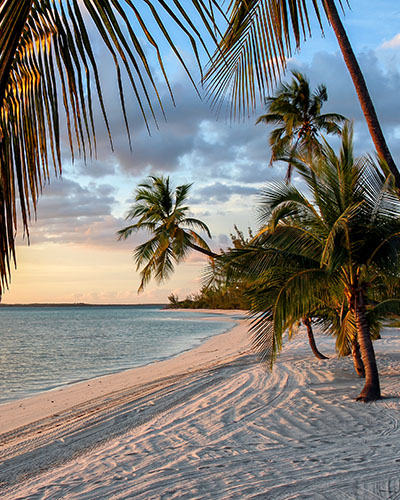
161,211
296,112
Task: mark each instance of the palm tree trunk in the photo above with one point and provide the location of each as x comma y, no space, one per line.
203,251
371,390
361,89
358,364
311,339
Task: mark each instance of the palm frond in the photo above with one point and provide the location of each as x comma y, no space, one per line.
252,54
190,222
46,56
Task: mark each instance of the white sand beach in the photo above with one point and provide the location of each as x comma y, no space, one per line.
211,423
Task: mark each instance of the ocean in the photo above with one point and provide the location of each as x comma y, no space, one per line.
46,347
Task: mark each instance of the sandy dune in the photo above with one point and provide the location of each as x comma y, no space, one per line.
216,425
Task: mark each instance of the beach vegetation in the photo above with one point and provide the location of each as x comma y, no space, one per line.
218,292
213,297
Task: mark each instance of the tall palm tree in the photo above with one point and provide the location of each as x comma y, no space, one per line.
162,213
49,73
296,112
346,237
253,53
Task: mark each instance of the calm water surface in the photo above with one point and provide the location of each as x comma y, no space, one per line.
45,347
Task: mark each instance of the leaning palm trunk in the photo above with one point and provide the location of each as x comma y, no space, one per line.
311,339
204,251
371,390
361,89
358,364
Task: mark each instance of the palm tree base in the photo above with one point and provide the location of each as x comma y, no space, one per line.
366,399
369,394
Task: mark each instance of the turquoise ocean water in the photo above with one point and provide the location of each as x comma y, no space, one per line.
46,347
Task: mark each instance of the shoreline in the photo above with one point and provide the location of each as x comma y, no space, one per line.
24,411
52,385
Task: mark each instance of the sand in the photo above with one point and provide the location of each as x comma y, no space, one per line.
211,423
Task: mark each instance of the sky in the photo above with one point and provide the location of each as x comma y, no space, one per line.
73,253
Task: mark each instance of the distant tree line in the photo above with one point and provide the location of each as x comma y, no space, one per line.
212,297
217,294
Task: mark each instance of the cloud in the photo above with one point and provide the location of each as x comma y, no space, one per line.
393,43
226,162
221,193
95,169
190,140
68,212
223,241
64,198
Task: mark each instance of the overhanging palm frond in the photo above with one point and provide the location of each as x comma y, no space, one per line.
49,72
254,50
279,300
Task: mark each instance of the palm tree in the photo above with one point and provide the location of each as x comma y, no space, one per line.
48,62
263,295
346,237
162,213
235,267
297,113
252,56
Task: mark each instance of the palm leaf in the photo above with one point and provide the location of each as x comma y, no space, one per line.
253,52
46,56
